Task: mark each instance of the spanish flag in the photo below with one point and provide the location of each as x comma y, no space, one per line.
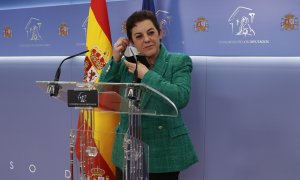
97,127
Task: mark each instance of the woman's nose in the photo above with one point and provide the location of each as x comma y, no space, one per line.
147,38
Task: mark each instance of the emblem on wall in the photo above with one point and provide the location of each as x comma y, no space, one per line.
241,21
33,28
201,25
84,25
63,29
164,19
289,22
7,33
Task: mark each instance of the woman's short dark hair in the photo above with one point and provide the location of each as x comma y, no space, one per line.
139,16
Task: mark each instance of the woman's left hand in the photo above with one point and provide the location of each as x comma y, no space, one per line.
142,69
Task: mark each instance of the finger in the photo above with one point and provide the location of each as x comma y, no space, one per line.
117,44
124,41
119,48
131,66
121,42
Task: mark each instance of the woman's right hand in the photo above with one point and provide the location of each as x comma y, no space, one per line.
119,48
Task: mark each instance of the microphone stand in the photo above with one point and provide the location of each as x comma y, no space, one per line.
133,146
53,87
53,90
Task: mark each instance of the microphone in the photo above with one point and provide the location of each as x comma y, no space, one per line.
57,74
133,92
53,88
135,74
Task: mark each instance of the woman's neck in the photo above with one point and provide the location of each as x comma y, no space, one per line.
152,60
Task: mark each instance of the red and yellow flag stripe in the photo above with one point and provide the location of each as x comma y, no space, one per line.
99,44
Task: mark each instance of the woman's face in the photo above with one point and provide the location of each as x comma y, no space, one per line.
146,39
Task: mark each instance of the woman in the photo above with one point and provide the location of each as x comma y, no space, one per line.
170,148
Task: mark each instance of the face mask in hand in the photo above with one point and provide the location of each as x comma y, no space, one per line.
131,55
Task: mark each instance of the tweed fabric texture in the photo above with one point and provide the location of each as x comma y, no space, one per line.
170,147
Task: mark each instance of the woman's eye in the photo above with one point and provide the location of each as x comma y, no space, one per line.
151,33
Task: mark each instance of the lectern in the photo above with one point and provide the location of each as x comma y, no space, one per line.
129,99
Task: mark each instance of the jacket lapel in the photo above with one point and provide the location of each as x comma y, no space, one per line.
160,68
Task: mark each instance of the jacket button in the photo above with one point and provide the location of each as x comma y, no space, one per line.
160,127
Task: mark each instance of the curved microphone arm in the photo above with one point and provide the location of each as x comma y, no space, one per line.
58,71
53,87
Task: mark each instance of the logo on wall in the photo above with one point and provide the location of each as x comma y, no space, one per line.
63,30
289,22
164,19
33,28
7,33
201,25
84,25
241,20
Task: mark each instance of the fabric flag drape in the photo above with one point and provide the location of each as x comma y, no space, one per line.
102,126
148,5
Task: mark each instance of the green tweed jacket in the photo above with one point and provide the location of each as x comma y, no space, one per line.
170,147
